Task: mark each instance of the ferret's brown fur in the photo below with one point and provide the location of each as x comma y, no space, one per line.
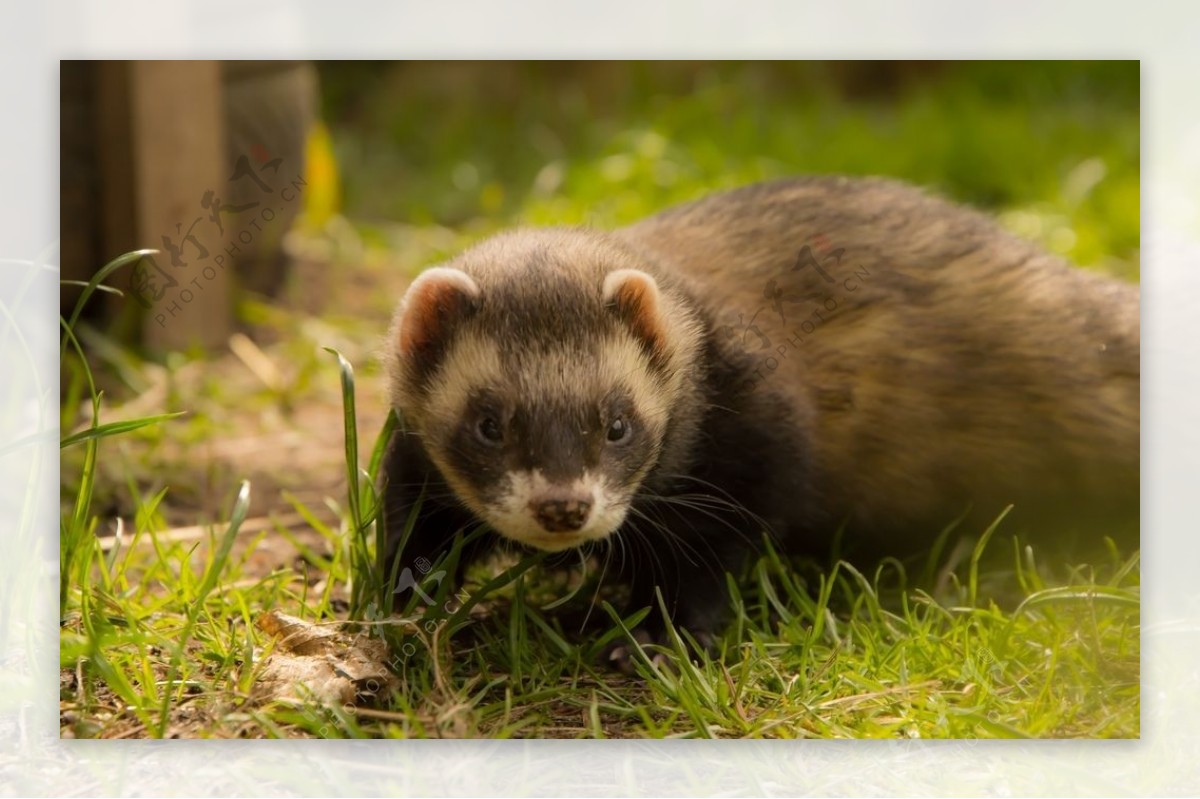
961,364
807,356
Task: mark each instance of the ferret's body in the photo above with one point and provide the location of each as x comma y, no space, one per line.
798,356
959,363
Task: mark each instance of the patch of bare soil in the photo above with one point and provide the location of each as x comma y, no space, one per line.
268,410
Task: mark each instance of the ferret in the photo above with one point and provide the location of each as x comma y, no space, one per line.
806,359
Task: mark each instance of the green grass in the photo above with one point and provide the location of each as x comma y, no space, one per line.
159,634
1053,145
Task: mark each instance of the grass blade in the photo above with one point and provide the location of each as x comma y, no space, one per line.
240,510
115,428
98,278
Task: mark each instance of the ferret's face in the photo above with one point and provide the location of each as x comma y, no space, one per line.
543,403
544,462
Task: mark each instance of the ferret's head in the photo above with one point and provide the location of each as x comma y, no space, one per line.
545,372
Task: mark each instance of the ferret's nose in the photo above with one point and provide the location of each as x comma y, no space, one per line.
562,513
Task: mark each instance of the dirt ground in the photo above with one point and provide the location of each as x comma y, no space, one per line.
269,410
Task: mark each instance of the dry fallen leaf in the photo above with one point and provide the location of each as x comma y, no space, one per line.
322,663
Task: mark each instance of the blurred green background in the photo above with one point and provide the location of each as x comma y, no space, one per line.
1052,147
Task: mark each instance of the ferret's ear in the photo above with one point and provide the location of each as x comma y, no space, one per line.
437,300
635,297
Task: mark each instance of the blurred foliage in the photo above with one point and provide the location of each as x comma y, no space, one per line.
321,197
1051,146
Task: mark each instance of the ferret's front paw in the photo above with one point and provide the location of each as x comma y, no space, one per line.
622,654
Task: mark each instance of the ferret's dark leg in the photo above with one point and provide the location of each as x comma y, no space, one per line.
690,574
697,600
691,531
411,487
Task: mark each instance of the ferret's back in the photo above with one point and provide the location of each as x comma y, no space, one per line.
937,358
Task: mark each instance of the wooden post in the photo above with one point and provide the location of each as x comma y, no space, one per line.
163,170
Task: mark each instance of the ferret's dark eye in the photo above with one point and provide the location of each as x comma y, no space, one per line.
489,430
618,430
